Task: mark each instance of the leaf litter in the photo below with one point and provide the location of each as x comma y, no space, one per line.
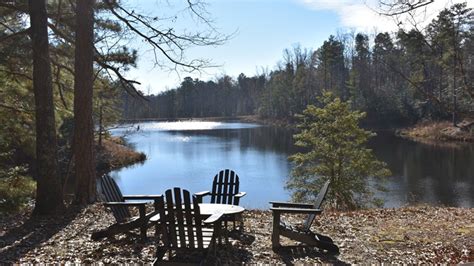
419,234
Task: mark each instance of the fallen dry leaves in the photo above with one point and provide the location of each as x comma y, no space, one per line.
405,235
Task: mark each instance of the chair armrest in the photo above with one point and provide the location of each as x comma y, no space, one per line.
296,210
142,197
125,204
153,217
155,198
213,218
240,194
202,193
290,204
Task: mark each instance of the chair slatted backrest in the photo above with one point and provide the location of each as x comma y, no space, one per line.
317,205
182,222
112,193
224,187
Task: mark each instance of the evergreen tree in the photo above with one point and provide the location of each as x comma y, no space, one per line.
83,148
330,67
49,196
335,150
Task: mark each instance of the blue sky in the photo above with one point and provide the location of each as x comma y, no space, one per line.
263,29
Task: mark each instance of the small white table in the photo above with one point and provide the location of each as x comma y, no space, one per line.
208,209
215,208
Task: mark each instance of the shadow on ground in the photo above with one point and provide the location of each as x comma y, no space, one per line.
290,254
17,241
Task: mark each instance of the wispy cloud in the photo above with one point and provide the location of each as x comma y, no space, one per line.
362,14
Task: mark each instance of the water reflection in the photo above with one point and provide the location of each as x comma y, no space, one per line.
440,175
190,158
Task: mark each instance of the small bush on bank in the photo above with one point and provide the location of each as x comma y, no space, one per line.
16,189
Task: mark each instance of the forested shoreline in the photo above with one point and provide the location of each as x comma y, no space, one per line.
65,86
398,78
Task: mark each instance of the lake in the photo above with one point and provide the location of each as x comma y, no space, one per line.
188,154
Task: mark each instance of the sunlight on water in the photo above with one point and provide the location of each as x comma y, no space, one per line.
184,139
181,125
189,125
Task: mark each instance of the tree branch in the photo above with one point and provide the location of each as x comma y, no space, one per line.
15,109
169,44
22,32
15,7
154,44
16,74
128,84
402,7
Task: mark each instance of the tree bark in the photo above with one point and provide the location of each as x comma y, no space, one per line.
49,197
83,125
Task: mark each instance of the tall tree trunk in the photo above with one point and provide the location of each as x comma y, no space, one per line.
83,124
49,197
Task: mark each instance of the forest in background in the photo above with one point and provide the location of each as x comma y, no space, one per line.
397,78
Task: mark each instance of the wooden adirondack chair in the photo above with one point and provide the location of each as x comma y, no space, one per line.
301,233
225,190
182,226
124,221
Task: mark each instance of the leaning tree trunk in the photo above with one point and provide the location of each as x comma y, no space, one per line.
49,197
83,124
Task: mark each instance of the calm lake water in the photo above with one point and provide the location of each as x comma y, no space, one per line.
189,154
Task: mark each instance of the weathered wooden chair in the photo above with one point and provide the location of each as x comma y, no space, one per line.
225,190
182,226
302,233
124,221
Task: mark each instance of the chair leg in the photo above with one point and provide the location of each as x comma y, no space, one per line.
323,238
160,253
143,230
237,218
276,231
328,246
241,221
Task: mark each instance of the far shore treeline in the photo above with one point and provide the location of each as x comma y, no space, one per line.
397,78
59,98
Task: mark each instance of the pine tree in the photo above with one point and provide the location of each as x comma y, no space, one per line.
334,150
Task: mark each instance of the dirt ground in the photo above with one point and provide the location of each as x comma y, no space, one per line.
405,235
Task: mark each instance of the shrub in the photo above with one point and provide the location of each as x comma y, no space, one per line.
16,189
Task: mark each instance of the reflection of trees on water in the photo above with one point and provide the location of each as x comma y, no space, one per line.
260,138
422,173
429,173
